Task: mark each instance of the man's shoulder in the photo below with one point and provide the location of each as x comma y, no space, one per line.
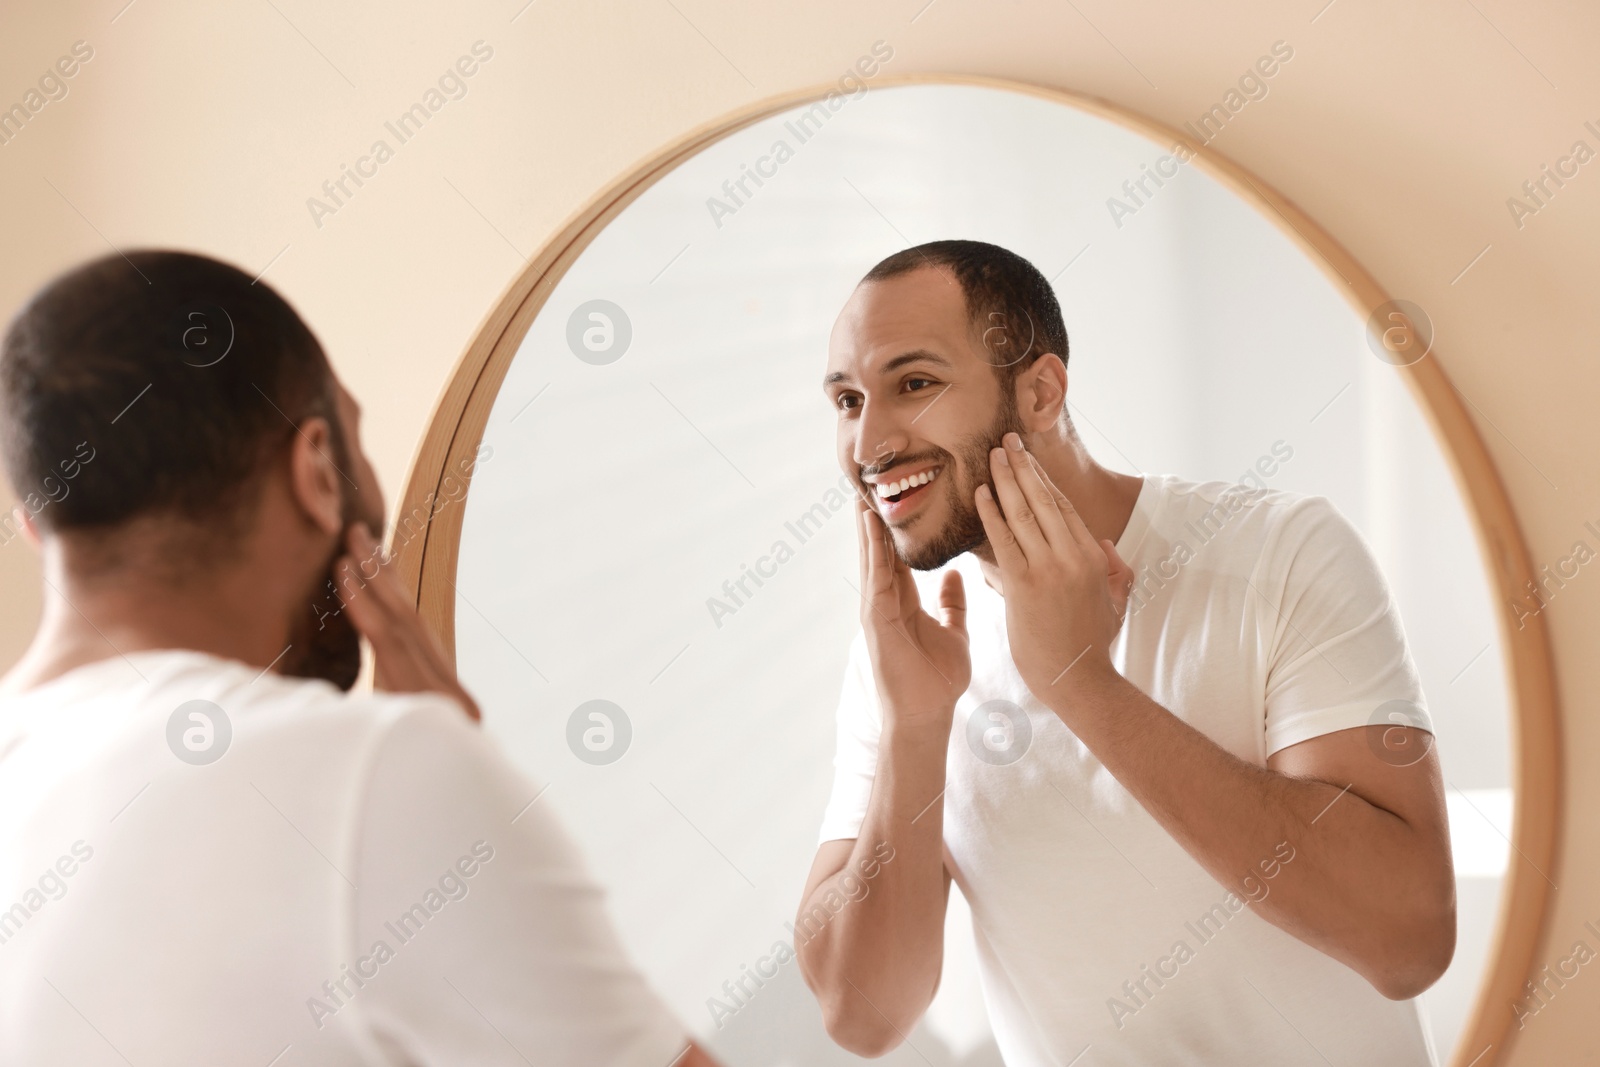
260,707
1257,496
1243,509
1267,531
307,711
1242,528
110,728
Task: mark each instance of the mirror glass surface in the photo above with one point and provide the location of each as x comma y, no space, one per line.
644,459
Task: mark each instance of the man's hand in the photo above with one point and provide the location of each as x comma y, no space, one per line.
1065,594
1371,885
407,656
693,1056
875,965
921,664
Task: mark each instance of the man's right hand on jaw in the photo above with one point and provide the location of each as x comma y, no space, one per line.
407,657
921,664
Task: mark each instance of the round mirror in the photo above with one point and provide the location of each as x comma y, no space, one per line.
654,589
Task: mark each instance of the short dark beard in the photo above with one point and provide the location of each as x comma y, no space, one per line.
322,642
964,530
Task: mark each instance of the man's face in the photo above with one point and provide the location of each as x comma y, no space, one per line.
323,643
917,397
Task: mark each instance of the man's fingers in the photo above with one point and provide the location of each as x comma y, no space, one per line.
953,602
370,618
407,657
886,579
401,660
1013,504
878,583
861,545
1039,492
381,611
1007,552
1120,578
905,586
355,592
1070,519
879,571
379,575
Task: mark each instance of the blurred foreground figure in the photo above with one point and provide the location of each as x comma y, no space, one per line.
209,852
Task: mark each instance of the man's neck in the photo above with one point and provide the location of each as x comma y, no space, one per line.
88,620
1103,498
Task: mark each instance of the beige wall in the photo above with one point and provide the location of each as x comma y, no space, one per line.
1402,131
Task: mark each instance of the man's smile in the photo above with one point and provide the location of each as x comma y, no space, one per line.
898,493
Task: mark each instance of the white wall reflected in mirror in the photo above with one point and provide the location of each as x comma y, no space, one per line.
621,496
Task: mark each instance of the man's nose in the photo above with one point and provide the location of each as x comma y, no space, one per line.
879,438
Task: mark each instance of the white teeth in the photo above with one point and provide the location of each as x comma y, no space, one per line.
885,490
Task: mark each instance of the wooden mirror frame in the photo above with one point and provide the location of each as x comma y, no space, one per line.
427,536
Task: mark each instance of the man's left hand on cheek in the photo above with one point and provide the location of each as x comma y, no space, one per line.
1065,593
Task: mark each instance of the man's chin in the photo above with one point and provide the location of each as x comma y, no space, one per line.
929,554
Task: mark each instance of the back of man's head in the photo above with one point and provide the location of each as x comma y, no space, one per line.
175,376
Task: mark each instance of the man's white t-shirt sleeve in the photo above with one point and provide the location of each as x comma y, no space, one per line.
855,759
516,961
1336,651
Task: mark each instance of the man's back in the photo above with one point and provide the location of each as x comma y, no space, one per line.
293,877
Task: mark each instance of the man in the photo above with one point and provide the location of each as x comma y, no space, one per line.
1180,839
210,853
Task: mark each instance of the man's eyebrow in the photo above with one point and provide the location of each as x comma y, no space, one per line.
919,355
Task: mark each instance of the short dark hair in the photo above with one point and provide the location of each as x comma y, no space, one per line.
155,382
1007,297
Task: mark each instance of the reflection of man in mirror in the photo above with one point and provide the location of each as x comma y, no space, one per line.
1136,730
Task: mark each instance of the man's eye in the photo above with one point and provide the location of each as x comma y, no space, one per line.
847,402
916,384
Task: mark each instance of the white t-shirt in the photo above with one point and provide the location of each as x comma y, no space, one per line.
1261,619
153,910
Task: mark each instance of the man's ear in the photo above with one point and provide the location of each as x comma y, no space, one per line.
313,477
30,529
1042,393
